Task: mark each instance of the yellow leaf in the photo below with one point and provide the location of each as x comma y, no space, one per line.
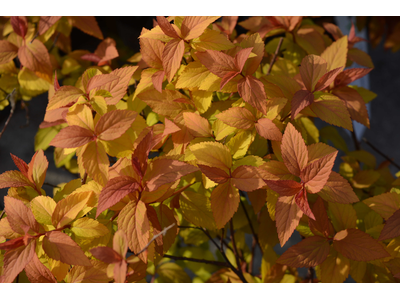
336,54
172,273
202,100
88,228
211,40
81,115
212,154
43,208
335,268
240,143
32,85
221,130
95,161
44,136
58,268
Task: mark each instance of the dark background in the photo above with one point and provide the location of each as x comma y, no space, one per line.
385,109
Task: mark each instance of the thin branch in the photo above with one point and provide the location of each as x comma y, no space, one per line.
356,142
275,55
222,239
310,275
270,149
52,185
25,106
54,42
251,225
204,261
36,35
381,153
253,249
10,96
235,251
287,116
163,232
2,214
83,180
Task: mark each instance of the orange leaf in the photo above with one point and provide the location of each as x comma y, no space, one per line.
106,50
152,50
337,189
63,96
238,117
268,130
166,217
246,178
157,78
21,165
95,162
87,24
193,26
241,58
391,228
215,174
19,25
46,22
20,217
360,57
284,187
120,243
15,261
294,150
327,79
287,217
302,201
37,272
8,51
114,124
197,125
301,100
120,269
100,80
224,203
106,254
71,137
321,225
61,247
165,171
308,253
252,91
13,179
134,222
36,58
115,189
385,204
172,57
311,70
167,28
38,168
217,62
359,246
348,76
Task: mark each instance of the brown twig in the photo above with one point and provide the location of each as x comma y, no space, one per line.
253,249
270,149
356,142
52,185
83,180
163,232
25,106
2,214
204,261
35,36
287,116
10,96
222,239
381,153
235,251
310,275
275,55
54,42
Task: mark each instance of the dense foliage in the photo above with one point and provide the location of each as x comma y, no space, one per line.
203,140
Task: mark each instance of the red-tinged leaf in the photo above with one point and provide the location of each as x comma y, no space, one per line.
327,79
36,58
246,178
19,216
38,168
316,174
308,253
311,70
19,25
139,157
197,125
100,80
13,244
391,228
116,189
360,57
165,171
287,216
13,179
224,203
91,57
217,62
61,247
385,204
321,225
46,22
157,78
134,222
333,111
37,272
120,269
301,99
15,261
337,189
152,50
238,117
170,127
193,26
120,243
215,174
172,57
227,77
302,201
167,218
252,91
355,104
359,246
71,137
241,57
167,28
87,24
106,51
284,187
8,51
96,162
114,124
118,88
56,84
333,30
63,96
348,76
268,130
294,150
106,254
